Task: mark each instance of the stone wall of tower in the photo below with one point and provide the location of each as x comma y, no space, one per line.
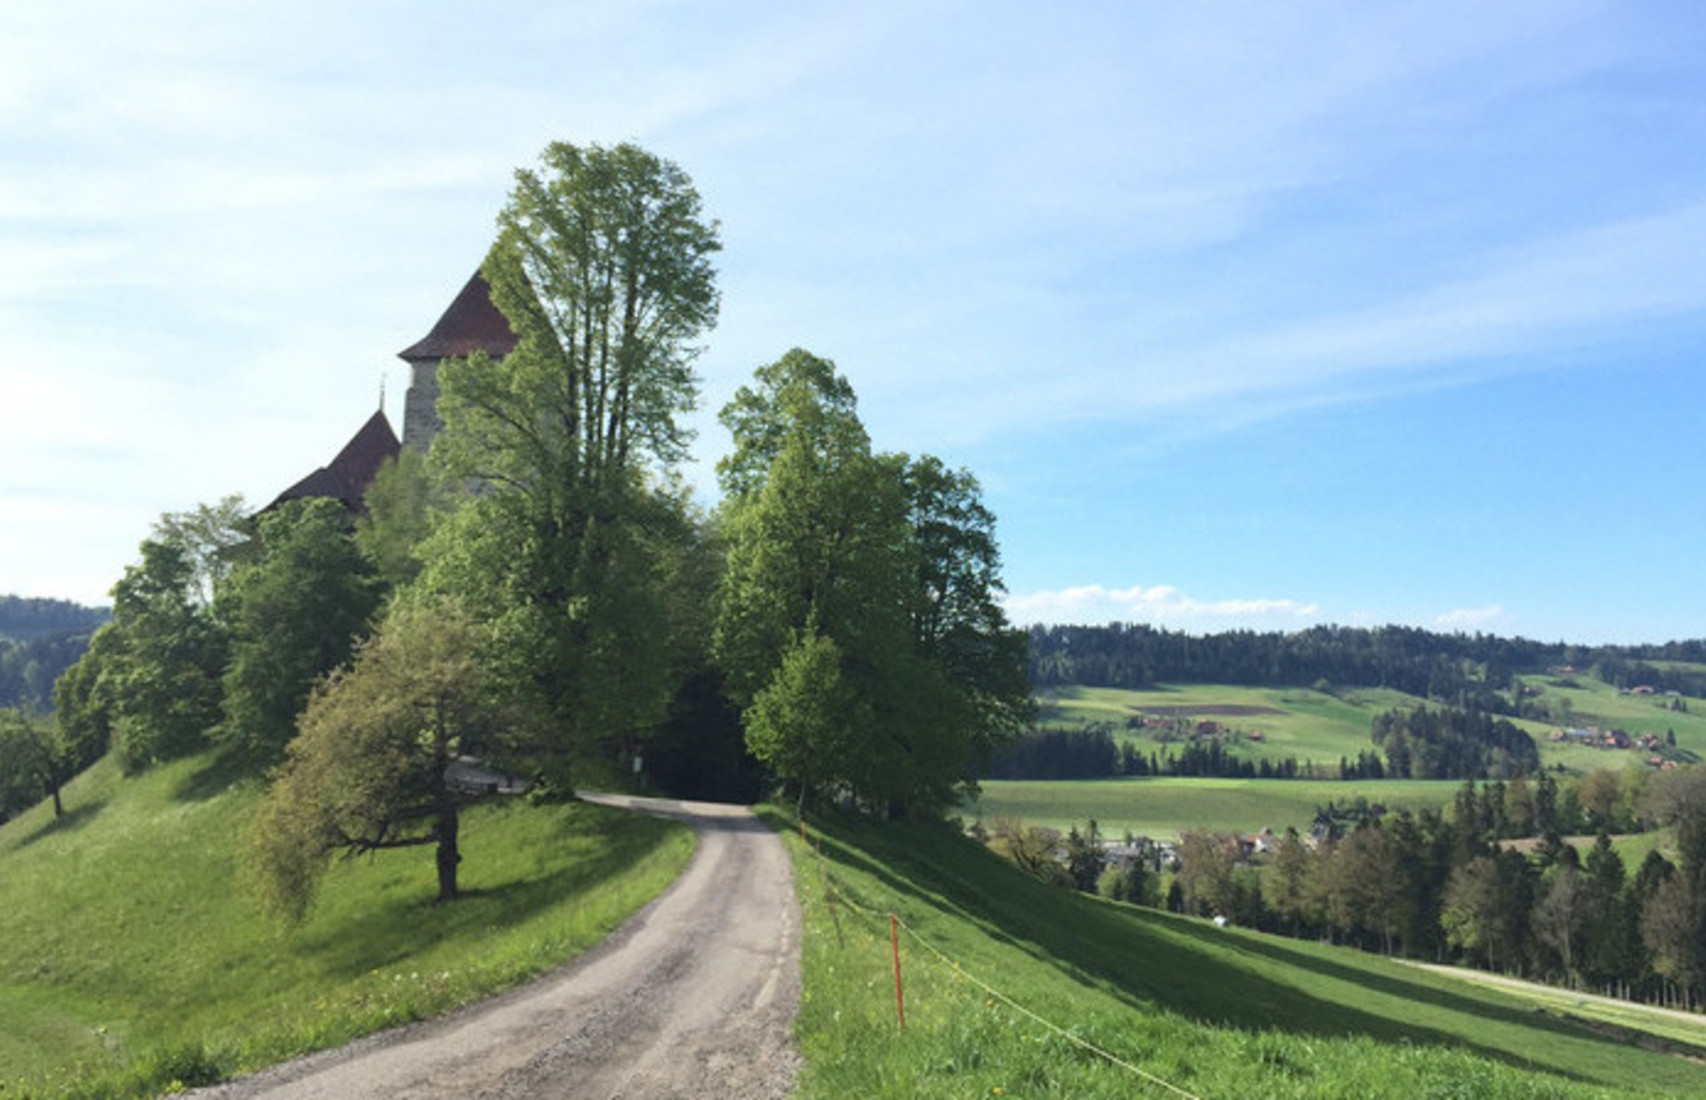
420,405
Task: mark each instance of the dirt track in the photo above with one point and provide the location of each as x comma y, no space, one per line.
692,997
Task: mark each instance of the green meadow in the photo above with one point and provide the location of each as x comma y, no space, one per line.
1015,988
132,960
1321,727
1164,806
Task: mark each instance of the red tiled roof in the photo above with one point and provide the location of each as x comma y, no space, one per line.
472,323
348,475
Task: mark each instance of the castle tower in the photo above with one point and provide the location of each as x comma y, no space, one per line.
471,324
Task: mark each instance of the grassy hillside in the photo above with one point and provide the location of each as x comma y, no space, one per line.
130,957
995,962
1163,806
1320,727
1294,722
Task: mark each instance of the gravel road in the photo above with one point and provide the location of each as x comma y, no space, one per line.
694,996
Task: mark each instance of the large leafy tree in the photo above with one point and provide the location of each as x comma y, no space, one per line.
372,765
890,560
603,267
294,611
159,660
31,763
149,684
958,620
400,503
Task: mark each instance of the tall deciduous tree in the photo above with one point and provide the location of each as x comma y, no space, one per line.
1561,915
159,660
398,518
603,268
212,537
894,561
371,767
294,612
149,683
957,618
802,722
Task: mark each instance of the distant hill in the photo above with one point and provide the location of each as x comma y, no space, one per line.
24,618
39,639
1462,668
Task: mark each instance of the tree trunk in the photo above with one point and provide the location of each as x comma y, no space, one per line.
448,853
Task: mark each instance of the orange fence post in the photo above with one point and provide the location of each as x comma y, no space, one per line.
899,998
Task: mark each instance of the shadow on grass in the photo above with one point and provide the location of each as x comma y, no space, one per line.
1157,960
68,822
402,928
1420,990
221,772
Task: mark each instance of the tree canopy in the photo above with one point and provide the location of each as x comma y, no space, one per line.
293,610
371,766
603,268
865,573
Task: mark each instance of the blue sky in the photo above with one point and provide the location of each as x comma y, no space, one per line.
1246,315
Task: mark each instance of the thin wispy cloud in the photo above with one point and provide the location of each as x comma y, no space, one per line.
1471,618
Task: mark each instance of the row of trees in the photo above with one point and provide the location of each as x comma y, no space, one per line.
1452,743
1091,752
218,633
540,589
1435,885
1462,669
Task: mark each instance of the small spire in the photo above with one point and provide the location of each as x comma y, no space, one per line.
381,391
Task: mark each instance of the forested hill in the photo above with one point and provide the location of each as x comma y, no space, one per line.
39,639
23,618
1404,658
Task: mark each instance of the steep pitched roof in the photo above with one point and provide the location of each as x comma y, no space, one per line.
472,323
348,475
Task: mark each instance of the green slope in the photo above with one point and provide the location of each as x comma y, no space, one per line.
131,957
1212,1012
1318,727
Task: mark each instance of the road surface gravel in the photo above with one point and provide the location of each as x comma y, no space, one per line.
694,996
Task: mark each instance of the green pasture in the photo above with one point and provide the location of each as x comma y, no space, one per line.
1013,988
1294,722
1321,727
1164,806
1593,702
132,960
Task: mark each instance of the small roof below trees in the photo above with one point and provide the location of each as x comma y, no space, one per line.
347,476
472,323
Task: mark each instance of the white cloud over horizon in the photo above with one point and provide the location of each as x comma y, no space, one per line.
1471,618
1159,605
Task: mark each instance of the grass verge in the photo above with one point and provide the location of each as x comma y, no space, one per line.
1200,1011
131,962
